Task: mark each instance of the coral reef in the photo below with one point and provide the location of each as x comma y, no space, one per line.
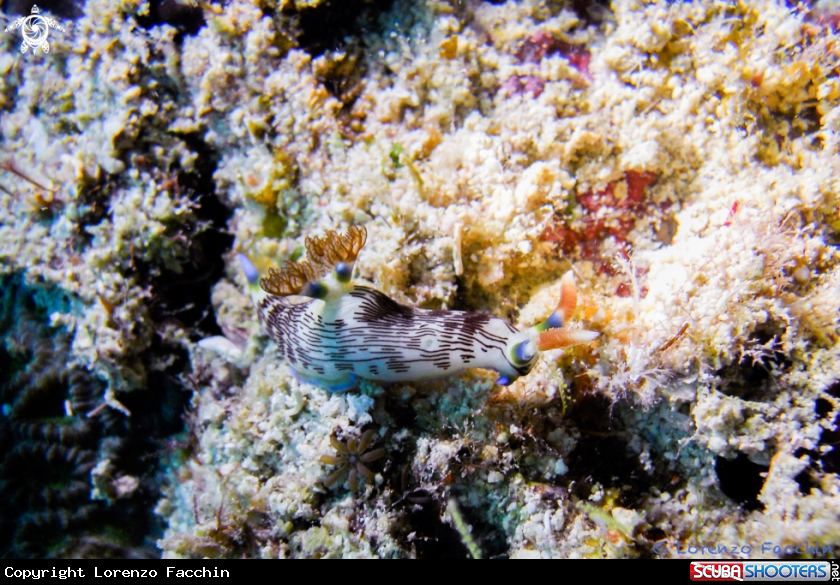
66,473
111,224
679,158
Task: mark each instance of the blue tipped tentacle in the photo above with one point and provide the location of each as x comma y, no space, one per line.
248,268
555,320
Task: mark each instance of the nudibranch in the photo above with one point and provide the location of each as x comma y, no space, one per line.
332,332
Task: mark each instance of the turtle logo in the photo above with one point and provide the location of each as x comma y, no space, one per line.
36,28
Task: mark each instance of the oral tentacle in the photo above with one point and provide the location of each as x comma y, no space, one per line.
551,333
557,338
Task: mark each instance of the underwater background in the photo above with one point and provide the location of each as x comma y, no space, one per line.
683,159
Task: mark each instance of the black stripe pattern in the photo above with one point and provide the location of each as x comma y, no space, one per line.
365,334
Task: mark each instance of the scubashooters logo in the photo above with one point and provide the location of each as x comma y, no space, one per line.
763,570
35,29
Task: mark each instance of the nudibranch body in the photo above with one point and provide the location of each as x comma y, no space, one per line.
331,332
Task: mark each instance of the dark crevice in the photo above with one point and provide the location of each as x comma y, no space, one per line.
808,478
806,482
187,18
92,207
424,531
185,296
156,410
342,74
823,407
830,460
327,27
461,300
591,413
334,31
592,11
754,378
400,411
605,460
490,538
422,528
741,480
601,454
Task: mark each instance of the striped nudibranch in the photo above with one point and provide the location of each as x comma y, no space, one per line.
332,332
